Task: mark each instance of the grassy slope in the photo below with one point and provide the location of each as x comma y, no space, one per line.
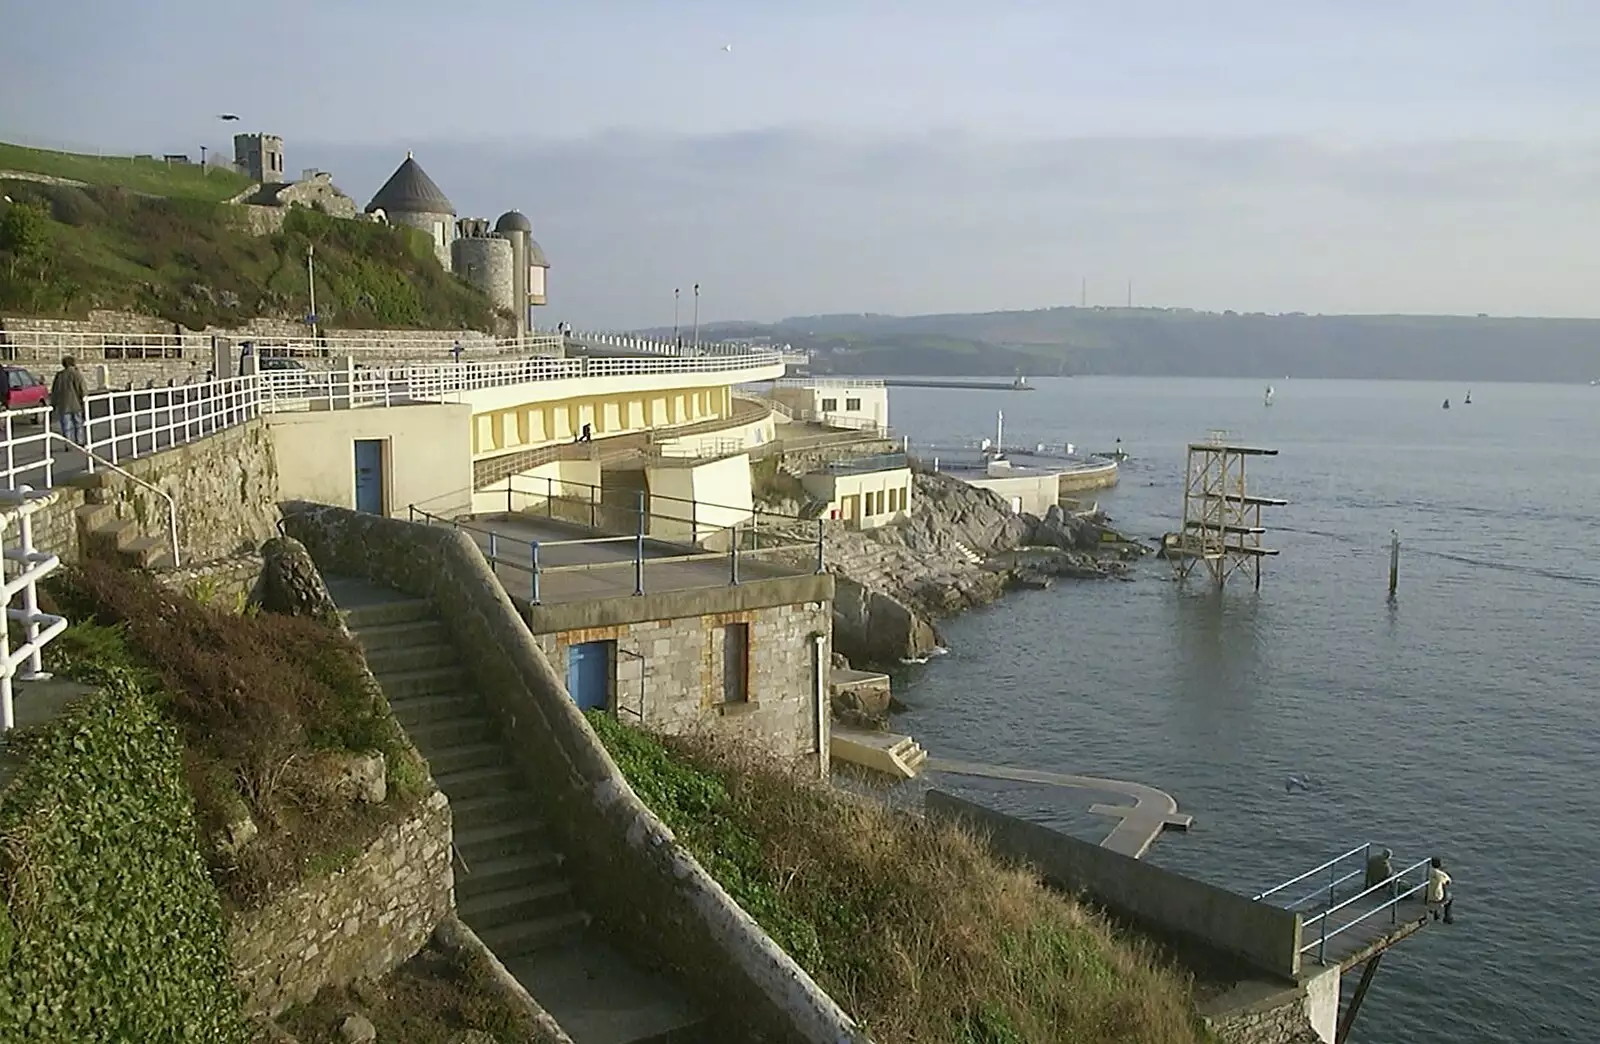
915,930
155,177
186,261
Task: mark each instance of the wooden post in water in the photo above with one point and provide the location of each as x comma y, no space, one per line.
1394,562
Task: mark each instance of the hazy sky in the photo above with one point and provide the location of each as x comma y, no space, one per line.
904,155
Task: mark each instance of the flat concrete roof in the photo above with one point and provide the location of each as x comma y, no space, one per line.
598,570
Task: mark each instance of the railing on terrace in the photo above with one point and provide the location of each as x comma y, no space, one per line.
877,462
1335,906
124,424
36,345
24,567
830,382
650,526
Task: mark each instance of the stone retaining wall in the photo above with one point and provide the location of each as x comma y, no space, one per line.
224,486
632,873
226,582
360,922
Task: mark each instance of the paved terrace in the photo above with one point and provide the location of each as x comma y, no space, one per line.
579,564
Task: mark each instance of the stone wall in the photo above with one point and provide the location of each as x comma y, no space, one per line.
359,922
1282,1021
630,870
226,582
224,486
670,674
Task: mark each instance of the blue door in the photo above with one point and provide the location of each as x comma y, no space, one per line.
369,476
589,675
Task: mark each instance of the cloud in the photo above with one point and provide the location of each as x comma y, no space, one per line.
784,222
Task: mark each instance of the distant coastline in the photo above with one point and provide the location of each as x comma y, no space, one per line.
1153,342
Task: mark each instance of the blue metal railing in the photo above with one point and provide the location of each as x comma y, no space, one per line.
503,550
1324,899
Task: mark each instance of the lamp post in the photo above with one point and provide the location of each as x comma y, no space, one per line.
676,291
311,285
697,318
202,159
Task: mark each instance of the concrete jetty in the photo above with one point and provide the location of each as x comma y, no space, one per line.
1152,812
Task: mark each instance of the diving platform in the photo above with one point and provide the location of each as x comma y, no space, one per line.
1221,525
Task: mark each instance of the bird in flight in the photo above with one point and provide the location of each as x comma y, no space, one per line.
227,116
728,48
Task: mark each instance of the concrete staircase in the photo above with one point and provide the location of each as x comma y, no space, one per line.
512,888
968,554
893,755
102,535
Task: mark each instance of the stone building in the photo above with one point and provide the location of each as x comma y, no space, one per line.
315,189
259,157
411,198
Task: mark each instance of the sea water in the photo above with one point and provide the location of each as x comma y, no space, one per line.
1463,720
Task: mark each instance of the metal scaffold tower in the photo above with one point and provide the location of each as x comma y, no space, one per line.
1221,518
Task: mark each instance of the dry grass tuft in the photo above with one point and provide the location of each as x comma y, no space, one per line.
914,928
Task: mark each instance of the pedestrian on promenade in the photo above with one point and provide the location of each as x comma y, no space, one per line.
67,393
1439,897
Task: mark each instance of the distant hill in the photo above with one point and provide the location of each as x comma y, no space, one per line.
1182,343
155,240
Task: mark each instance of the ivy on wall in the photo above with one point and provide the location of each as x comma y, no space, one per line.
110,928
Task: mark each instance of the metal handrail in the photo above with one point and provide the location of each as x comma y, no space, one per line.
1365,849
1321,919
172,506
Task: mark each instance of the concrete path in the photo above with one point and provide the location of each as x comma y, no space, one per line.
1141,823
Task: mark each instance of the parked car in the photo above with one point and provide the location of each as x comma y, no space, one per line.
279,362
23,390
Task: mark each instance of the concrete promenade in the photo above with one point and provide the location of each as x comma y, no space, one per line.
1152,811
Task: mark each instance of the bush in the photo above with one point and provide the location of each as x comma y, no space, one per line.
915,929
109,927
260,701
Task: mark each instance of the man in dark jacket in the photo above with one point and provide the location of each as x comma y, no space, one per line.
67,393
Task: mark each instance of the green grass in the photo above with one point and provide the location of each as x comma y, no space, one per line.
153,176
188,261
915,929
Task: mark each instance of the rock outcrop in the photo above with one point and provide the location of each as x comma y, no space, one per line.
290,584
963,547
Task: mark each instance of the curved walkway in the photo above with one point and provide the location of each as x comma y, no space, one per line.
1141,823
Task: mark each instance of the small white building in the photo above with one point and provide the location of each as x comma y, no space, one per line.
863,493
861,404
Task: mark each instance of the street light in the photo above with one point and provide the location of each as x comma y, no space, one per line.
697,318
311,285
675,292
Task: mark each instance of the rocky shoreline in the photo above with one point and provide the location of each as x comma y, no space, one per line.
961,549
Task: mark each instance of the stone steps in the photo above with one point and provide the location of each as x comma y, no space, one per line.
511,883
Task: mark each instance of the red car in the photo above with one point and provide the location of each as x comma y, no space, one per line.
22,390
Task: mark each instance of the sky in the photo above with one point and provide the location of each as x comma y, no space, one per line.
903,155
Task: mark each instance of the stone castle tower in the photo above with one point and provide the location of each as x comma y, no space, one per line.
259,156
506,263
411,198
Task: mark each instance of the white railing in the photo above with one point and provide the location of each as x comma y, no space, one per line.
37,345
830,382
24,567
27,460
172,505
692,448
121,425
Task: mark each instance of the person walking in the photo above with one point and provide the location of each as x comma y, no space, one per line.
1438,895
67,393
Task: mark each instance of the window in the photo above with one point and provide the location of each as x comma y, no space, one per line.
829,405
853,405
894,500
736,663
